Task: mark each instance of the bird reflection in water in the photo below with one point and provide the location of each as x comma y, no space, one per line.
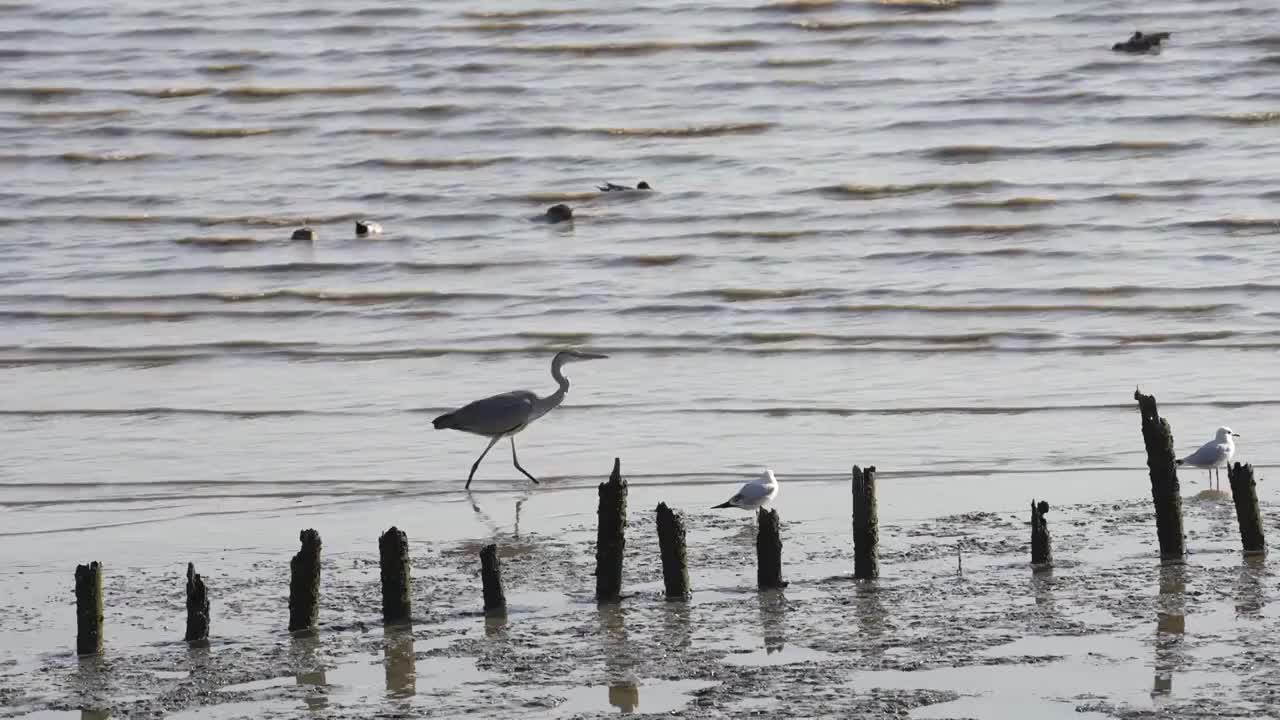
402,675
494,528
1171,626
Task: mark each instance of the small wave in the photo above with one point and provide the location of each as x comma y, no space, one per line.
46,92
627,49
933,255
371,297
797,62
99,158
976,229
649,260
252,92
433,163
546,197
1017,202
216,242
521,14
1021,309
227,133
695,131
799,6
858,191
391,11
1258,225
981,153
752,294
167,412
765,235
168,93
226,68
1155,338
1248,118
73,115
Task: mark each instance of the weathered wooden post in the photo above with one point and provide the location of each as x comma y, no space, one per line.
197,607
89,608
1245,493
611,536
304,582
1165,491
495,599
393,562
769,550
1041,547
671,536
866,525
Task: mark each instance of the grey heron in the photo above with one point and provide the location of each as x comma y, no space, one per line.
505,415
1215,453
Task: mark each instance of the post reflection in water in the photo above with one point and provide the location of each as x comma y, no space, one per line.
675,625
623,691
1250,597
495,627
773,609
1042,590
308,671
397,649
873,619
1171,626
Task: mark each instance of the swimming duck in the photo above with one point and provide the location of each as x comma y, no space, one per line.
303,233
559,213
614,187
1140,42
365,228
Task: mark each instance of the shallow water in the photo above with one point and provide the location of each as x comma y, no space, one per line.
880,233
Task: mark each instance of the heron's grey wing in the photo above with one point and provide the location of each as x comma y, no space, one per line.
495,415
1211,453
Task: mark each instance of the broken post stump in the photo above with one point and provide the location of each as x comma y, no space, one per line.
866,530
197,607
1165,491
393,563
611,536
495,600
1245,493
89,609
671,536
1041,548
304,582
769,550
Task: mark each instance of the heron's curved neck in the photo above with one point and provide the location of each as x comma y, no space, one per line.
553,400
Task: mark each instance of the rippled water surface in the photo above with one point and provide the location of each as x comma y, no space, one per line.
935,235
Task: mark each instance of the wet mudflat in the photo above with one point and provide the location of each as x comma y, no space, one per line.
958,626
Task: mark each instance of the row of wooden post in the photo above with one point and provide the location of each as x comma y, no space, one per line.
393,546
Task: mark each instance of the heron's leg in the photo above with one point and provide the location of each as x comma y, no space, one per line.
516,460
477,463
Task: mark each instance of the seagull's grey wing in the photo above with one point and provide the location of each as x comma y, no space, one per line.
494,415
1211,453
753,491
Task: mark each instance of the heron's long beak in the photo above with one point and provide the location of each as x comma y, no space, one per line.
592,356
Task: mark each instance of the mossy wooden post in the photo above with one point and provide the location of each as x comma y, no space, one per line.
671,536
393,563
1165,491
197,607
1041,547
611,536
89,608
769,550
866,522
304,583
495,599
1245,493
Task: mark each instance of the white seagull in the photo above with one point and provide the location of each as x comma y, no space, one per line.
1214,454
754,494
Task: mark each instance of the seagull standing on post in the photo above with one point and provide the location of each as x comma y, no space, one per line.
1214,454
505,415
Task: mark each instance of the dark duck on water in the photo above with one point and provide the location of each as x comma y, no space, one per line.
1141,42
614,187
